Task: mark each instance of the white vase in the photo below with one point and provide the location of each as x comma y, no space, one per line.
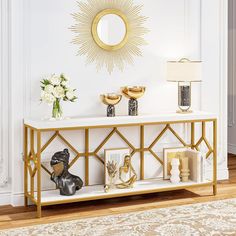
175,171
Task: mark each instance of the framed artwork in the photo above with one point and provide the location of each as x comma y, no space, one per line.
169,154
119,172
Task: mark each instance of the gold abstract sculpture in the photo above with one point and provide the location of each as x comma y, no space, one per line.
112,171
133,93
110,99
92,46
127,169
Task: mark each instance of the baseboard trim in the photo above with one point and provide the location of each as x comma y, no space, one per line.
232,148
17,199
5,199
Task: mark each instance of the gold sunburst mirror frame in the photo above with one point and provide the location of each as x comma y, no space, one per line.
94,48
96,37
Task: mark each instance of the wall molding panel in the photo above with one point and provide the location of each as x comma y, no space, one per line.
19,90
214,44
4,90
232,63
232,77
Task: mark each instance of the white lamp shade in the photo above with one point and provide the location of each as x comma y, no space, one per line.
184,71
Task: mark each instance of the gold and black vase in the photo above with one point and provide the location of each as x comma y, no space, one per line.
111,99
133,93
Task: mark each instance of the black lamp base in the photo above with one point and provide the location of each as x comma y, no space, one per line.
184,97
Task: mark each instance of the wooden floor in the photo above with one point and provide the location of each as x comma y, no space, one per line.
11,217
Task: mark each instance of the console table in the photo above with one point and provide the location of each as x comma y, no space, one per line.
34,129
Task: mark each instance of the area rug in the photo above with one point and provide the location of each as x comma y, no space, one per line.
212,218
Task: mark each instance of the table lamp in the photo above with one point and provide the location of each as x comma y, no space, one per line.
184,72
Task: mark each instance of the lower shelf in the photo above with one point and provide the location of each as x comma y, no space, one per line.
96,192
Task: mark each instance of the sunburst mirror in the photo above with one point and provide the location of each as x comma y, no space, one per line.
109,33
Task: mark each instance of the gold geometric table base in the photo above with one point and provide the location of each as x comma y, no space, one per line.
32,157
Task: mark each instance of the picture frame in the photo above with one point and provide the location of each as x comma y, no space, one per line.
115,156
168,155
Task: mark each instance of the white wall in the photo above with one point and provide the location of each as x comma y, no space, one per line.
50,51
232,84
40,44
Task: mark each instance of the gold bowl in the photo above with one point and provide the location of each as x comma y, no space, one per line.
110,98
134,92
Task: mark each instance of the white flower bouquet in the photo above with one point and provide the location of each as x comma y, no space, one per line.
56,89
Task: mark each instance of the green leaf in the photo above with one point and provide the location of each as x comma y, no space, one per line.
74,99
46,82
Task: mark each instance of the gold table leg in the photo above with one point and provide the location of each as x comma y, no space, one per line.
32,155
215,157
141,152
25,166
86,157
39,174
192,135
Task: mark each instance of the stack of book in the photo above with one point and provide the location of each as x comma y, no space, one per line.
196,165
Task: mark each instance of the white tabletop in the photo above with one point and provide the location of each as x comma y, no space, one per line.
74,122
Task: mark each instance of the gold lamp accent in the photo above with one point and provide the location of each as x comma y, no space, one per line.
110,99
133,93
184,72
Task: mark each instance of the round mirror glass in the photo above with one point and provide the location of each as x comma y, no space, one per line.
111,29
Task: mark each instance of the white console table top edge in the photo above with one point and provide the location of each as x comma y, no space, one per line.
118,120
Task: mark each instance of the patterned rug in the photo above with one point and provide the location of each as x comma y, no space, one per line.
212,218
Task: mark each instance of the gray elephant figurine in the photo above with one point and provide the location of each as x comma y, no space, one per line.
64,180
